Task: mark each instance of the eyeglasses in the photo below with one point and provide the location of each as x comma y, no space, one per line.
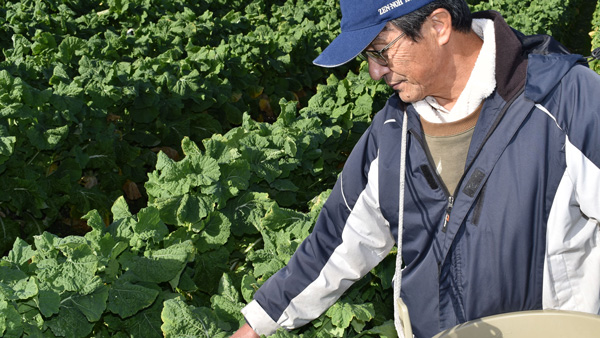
377,55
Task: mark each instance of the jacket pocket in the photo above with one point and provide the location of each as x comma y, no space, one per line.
478,207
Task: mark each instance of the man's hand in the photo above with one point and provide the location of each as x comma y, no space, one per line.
245,332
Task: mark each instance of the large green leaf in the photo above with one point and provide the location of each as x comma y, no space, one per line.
149,226
47,139
92,305
26,288
342,313
48,302
215,233
21,252
75,272
127,299
246,212
181,320
226,303
70,322
10,321
146,323
160,265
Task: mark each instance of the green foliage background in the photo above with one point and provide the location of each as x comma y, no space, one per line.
159,160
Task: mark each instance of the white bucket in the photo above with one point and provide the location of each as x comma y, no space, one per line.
529,324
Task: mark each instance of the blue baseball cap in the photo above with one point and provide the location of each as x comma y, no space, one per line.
362,20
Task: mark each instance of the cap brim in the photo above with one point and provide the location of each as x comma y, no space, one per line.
346,46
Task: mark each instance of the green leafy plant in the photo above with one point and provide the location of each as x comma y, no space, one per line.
214,229
92,91
204,142
595,34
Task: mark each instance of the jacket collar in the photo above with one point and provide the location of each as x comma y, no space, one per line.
511,64
514,53
537,62
511,61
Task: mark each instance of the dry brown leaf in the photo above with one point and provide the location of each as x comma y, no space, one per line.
131,190
51,169
112,117
88,181
170,152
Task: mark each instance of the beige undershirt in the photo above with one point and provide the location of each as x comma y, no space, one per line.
448,133
448,145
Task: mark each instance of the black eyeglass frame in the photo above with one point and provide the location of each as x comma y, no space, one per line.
377,55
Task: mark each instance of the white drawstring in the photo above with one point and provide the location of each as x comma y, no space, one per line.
401,319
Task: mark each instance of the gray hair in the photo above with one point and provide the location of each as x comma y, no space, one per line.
412,22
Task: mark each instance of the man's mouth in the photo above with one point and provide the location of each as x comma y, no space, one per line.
396,85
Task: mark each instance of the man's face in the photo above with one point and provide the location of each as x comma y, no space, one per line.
413,67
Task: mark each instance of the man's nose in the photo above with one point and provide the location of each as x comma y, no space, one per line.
377,71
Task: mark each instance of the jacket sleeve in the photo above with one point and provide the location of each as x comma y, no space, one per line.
572,271
350,237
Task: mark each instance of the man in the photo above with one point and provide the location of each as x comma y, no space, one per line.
502,182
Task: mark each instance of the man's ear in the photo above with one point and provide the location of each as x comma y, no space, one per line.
442,24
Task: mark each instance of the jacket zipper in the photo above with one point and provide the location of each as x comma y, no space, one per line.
448,210
439,179
419,139
507,105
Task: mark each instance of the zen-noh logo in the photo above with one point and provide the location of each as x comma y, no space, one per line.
391,6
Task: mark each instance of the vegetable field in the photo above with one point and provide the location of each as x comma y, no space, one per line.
160,159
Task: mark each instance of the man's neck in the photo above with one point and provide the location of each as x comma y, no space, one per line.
475,80
464,50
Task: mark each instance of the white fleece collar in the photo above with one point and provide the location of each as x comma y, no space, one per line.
480,85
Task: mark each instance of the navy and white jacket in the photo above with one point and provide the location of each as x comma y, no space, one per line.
523,229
